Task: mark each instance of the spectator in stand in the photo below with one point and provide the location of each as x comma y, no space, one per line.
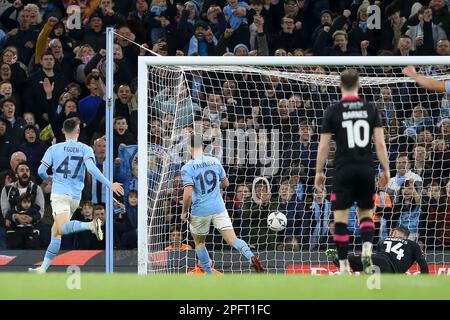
125,104
320,211
340,44
403,174
83,54
5,145
421,164
89,105
20,222
82,240
259,235
34,95
189,15
108,15
391,29
93,36
34,149
176,240
405,46
122,137
426,137
433,204
443,47
297,221
94,191
234,207
156,24
408,209
361,37
443,221
203,42
126,223
236,16
130,53
214,108
426,34
290,37
419,118
24,184
21,36
8,176
6,91
100,213
137,20
216,20
440,159
15,124
445,130
385,105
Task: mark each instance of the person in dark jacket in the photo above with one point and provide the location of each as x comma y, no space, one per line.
34,149
340,44
121,135
15,125
5,145
34,95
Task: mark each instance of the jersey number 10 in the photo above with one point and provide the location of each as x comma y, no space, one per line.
354,134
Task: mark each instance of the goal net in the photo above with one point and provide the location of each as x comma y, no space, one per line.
262,119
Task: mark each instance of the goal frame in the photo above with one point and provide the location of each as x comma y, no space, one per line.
145,61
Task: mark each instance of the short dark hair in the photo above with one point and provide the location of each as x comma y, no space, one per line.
99,207
349,79
24,197
195,141
403,229
22,163
132,192
71,124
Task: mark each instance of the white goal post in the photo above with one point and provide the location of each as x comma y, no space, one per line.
281,67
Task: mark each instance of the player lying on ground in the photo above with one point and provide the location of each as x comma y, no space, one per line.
395,254
203,177
69,161
352,123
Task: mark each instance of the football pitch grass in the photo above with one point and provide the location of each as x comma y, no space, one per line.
226,287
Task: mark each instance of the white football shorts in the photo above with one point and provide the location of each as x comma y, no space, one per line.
63,204
200,225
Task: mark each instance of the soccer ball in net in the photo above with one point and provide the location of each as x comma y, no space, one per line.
276,221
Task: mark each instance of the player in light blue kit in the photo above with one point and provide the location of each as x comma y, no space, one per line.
427,82
203,177
69,161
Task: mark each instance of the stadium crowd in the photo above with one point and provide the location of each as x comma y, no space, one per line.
50,72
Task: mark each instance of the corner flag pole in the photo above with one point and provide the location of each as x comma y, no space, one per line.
109,147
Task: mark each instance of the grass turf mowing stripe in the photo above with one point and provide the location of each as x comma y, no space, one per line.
235,287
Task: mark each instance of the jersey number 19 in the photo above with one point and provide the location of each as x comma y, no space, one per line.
356,136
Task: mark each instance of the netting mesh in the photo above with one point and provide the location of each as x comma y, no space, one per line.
263,123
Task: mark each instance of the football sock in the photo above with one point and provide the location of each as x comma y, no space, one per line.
243,248
341,240
75,226
51,253
367,229
204,259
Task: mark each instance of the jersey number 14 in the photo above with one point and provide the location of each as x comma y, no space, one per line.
356,136
394,249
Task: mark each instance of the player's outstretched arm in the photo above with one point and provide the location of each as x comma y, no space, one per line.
322,156
423,81
380,148
115,187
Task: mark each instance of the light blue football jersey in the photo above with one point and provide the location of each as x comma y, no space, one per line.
67,160
204,174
